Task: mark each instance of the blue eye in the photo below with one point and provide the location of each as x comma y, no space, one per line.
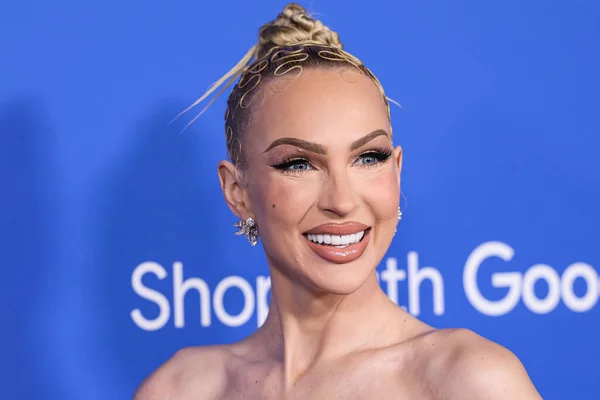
373,158
366,159
295,165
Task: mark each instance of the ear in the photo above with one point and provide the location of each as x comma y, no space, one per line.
233,191
398,159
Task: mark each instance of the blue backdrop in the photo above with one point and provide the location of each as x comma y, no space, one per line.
117,249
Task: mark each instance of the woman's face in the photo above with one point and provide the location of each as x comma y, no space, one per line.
323,180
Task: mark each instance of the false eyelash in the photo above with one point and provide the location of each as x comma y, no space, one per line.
286,163
381,154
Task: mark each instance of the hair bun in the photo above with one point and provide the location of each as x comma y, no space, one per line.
294,26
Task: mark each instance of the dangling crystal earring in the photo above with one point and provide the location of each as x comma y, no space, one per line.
249,229
399,218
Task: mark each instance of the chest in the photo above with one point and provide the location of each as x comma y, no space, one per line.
352,380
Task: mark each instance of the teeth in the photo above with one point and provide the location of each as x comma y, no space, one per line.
337,240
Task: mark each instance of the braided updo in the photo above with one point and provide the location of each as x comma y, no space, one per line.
286,46
293,26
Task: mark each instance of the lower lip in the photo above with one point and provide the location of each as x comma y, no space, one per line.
340,255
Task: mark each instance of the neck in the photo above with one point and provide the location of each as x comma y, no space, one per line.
304,328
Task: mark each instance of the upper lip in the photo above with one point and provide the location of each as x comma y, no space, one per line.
347,228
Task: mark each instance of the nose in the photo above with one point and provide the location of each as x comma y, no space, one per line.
338,196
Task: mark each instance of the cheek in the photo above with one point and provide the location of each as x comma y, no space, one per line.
281,201
380,190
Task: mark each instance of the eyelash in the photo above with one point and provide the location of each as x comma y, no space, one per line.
380,155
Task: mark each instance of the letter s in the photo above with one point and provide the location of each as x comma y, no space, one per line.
511,280
149,294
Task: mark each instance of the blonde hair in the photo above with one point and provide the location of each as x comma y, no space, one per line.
287,45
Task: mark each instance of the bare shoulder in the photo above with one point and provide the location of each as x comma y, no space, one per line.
193,372
468,366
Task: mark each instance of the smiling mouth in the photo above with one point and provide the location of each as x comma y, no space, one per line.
337,241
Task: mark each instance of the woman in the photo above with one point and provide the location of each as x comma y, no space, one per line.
313,172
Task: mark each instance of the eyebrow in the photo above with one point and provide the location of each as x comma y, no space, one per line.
319,148
367,138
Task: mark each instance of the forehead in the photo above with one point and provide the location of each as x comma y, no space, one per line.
323,106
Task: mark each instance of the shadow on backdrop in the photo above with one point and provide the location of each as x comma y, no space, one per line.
160,202
28,216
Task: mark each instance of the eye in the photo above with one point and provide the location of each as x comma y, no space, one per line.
366,159
294,165
373,157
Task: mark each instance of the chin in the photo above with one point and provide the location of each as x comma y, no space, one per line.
340,279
